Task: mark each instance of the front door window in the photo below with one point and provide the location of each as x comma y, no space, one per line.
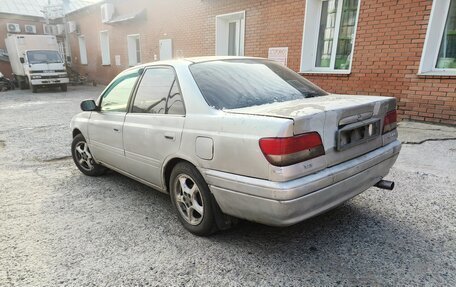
115,99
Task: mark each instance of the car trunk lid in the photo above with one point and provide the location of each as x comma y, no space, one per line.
348,125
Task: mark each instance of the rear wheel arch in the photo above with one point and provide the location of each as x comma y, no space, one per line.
168,168
222,221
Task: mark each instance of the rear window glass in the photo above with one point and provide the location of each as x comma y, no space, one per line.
233,84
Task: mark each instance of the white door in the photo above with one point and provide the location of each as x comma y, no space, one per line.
134,51
166,49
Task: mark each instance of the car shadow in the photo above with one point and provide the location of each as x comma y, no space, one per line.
352,238
348,219
347,240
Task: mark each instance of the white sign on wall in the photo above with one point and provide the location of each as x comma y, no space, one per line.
117,58
278,54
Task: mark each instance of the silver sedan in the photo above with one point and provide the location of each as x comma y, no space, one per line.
237,137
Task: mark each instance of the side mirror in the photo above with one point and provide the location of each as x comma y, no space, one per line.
22,60
88,106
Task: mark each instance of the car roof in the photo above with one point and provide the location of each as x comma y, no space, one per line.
190,60
216,58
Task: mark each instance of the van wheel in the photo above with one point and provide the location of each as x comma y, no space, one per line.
23,85
191,199
64,87
83,158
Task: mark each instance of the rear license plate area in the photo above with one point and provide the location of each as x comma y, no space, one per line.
357,133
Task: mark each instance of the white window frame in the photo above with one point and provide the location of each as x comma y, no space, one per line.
82,50
132,56
222,32
312,17
104,48
434,34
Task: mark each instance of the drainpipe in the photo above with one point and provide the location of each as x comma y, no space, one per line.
66,9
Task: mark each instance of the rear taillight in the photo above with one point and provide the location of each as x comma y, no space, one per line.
390,121
291,150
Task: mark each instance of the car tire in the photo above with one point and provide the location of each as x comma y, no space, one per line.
191,199
64,87
34,89
83,159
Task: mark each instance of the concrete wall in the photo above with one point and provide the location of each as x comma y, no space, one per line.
388,47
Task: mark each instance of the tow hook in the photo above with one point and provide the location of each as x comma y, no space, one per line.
385,184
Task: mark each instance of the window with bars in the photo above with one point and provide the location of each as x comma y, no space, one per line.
229,34
82,50
104,45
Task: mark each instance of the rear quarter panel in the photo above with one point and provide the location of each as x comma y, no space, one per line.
235,141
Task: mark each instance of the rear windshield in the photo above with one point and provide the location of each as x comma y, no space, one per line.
233,84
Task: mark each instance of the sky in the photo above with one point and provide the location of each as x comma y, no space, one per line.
34,7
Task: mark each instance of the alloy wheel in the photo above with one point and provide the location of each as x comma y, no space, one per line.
83,156
189,200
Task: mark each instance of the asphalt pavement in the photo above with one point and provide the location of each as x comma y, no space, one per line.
61,228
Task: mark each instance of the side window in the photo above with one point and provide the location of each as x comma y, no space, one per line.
158,93
116,97
175,103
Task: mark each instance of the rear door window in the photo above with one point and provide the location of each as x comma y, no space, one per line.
232,84
175,103
158,93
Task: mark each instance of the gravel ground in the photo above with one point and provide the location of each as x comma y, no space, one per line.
59,227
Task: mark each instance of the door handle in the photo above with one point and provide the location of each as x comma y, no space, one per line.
116,130
169,136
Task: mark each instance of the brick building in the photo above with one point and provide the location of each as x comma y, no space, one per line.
401,48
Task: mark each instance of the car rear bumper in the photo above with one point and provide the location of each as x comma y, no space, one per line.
286,203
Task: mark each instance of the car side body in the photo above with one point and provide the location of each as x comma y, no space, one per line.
225,146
